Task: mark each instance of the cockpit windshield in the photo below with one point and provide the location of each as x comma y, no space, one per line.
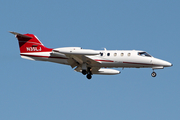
144,54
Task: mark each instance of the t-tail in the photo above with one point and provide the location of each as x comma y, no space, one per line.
30,46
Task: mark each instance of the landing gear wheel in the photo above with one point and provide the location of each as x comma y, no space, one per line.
89,76
84,72
153,74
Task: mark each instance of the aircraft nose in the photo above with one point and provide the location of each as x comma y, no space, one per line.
167,64
170,64
162,63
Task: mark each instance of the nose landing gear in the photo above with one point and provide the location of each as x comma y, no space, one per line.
153,74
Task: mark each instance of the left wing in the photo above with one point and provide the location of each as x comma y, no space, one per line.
78,57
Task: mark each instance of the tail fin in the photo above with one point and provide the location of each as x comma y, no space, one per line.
30,43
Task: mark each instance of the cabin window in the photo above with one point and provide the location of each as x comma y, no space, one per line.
122,54
108,54
129,54
115,54
101,54
144,54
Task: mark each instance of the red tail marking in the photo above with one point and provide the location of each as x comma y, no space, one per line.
30,43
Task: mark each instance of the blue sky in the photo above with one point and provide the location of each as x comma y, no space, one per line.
31,90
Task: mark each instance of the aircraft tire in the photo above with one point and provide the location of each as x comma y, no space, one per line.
153,74
89,76
84,72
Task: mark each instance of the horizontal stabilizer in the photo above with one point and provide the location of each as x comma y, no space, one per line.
21,35
15,33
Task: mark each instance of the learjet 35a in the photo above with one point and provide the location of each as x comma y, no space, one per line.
87,61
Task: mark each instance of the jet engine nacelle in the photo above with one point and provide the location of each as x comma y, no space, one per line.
107,72
76,51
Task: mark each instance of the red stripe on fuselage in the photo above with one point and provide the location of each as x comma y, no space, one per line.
104,60
43,56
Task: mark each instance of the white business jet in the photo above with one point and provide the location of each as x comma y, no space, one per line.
88,61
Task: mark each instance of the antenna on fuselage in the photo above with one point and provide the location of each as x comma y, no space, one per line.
105,49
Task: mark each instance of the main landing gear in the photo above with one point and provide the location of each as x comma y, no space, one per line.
153,74
88,72
89,76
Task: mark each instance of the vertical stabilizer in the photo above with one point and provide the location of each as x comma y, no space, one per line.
30,43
